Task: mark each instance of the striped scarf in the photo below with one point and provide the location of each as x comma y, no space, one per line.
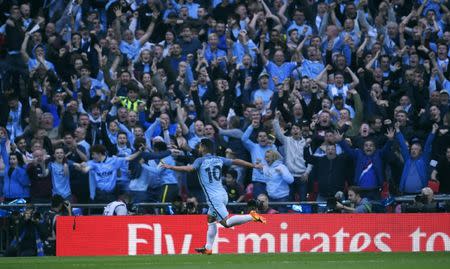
366,169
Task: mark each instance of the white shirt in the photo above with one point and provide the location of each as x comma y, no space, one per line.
116,208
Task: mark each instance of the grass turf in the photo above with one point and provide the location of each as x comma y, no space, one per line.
243,261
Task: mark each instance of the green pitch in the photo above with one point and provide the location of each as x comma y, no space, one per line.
257,261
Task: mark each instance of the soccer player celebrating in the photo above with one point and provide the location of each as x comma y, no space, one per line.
209,169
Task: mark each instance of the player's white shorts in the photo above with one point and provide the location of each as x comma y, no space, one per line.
218,206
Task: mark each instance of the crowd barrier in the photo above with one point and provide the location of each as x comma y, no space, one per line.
180,234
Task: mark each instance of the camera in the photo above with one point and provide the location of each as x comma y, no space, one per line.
255,204
190,205
36,217
421,204
331,205
421,199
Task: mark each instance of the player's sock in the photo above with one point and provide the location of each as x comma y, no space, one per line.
239,219
211,235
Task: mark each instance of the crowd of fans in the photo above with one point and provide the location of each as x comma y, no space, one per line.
96,94
329,96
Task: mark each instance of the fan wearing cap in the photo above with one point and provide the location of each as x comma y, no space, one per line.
417,158
338,106
244,46
38,61
293,148
444,101
55,104
263,93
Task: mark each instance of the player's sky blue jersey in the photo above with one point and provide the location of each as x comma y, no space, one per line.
209,170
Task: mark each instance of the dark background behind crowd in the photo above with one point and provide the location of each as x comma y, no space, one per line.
348,98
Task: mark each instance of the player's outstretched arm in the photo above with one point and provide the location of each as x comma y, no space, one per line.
136,154
186,168
83,167
245,164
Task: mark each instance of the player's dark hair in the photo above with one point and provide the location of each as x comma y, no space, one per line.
138,142
208,145
159,146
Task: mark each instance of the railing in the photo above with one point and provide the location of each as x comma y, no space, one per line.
139,206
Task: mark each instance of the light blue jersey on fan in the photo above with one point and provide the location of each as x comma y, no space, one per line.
103,175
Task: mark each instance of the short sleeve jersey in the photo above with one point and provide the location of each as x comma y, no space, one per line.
209,170
105,172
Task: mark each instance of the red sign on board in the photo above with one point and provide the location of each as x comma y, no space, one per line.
139,235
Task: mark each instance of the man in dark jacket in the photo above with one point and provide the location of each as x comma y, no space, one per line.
40,178
331,171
